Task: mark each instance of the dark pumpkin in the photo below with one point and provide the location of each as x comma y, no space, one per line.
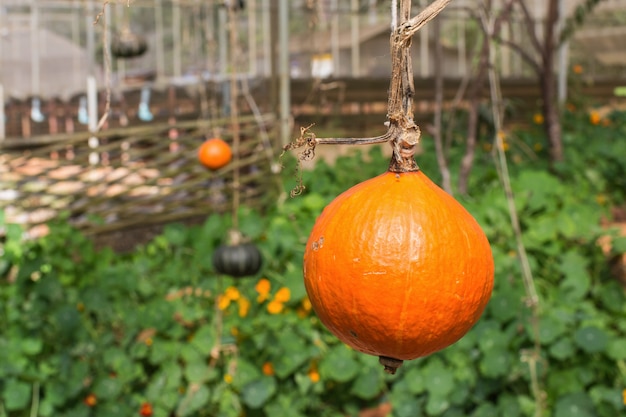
128,45
243,259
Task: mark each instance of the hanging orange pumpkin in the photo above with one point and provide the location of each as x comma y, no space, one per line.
396,267
215,153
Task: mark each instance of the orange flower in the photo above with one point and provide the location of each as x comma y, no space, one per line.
275,307
244,306
148,341
263,288
282,295
538,119
314,375
268,369
306,304
91,400
577,69
594,118
146,410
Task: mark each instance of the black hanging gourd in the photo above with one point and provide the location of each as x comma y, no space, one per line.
127,44
239,260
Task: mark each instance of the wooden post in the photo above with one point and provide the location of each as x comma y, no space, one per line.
34,48
177,51
252,32
159,53
356,46
267,38
334,38
92,111
2,115
283,55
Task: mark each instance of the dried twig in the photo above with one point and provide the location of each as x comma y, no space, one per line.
402,131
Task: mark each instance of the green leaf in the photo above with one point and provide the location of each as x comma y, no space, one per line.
562,349
246,373
290,354
437,404
496,363
368,384
591,339
618,244
508,406
414,378
577,281
440,380
339,364
31,346
199,371
487,410
197,396
107,388
574,405
204,338
616,349
550,329
16,394
258,392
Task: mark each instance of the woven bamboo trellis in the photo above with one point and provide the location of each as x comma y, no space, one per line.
145,175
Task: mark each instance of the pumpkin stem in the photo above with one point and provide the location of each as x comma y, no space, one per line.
391,365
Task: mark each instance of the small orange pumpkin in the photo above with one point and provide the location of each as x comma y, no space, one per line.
396,267
215,153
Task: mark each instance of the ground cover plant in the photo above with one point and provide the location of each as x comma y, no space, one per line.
158,332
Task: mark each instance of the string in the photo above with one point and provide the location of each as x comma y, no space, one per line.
394,14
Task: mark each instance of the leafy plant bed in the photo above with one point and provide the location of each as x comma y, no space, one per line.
156,331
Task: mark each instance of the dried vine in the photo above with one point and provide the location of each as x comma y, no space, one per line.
402,133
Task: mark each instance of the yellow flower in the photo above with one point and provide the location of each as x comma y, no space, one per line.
487,147
148,341
505,146
228,378
263,288
537,147
306,304
538,119
232,293
624,396
234,331
578,69
268,369
282,295
601,199
594,118
223,302
275,307
80,307
244,306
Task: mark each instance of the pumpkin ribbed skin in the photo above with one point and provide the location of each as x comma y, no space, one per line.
396,267
215,153
238,261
